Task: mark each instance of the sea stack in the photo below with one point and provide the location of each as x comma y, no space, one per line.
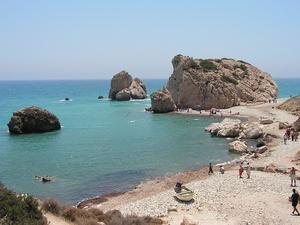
124,87
33,120
162,101
218,83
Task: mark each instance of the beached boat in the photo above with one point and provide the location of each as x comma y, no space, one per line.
185,195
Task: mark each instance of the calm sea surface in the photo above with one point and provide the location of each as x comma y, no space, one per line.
103,146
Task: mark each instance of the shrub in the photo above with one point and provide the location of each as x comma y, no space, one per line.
52,206
208,65
19,210
229,79
243,67
194,64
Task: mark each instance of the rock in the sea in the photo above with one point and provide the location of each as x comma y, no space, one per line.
291,105
265,121
219,83
123,82
238,147
250,131
162,101
138,89
123,95
33,120
226,128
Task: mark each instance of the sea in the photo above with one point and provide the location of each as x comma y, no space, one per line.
104,146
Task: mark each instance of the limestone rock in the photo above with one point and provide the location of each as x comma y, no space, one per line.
123,95
119,82
122,83
251,131
138,89
188,220
162,101
265,121
283,125
262,149
296,124
226,128
291,105
219,83
33,120
238,147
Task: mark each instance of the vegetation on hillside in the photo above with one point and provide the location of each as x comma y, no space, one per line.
207,65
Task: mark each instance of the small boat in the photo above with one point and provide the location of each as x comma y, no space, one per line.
185,195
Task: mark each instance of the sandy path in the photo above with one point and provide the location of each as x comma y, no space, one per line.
54,220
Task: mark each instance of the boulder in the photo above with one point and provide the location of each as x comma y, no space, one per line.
123,95
218,83
296,124
238,147
262,149
226,128
33,120
283,125
188,220
162,101
251,131
119,82
265,121
138,89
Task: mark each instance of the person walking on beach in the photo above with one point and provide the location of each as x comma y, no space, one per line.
248,170
293,176
222,170
288,133
210,171
285,137
241,170
295,200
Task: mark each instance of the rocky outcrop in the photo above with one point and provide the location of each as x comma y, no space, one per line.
123,84
162,101
33,120
226,128
283,125
238,147
219,83
265,121
296,124
291,105
250,131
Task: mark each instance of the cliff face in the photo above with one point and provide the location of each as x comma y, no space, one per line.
220,83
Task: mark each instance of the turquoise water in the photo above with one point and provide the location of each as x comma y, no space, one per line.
103,146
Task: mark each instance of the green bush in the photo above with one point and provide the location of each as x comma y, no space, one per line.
229,79
207,65
19,210
243,67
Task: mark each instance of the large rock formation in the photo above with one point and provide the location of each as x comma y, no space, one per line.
123,87
291,105
237,147
162,102
33,120
219,83
296,124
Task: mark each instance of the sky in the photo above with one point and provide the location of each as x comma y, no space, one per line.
95,39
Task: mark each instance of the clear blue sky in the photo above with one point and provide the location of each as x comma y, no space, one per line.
61,39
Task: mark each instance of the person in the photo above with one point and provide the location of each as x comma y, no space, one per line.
292,134
288,133
296,135
293,176
241,170
285,137
222,170
295,200
248,170
210,171
177,188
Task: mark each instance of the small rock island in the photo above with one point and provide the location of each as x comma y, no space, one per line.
124,87
217,83
33,120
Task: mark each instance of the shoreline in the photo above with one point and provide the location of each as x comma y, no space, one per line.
153,197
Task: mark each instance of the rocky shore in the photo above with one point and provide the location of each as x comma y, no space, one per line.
225,198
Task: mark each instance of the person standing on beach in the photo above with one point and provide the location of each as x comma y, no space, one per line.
293,176
222,170
295,200
210,171
241,170
248,170
285,137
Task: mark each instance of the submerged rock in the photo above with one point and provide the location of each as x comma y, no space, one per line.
123,84
33,120
162,101
218,83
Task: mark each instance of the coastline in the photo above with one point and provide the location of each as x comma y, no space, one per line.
150,189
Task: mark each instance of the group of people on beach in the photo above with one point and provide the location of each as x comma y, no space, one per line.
247,168
290,134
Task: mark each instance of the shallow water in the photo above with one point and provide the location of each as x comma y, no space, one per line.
103,146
